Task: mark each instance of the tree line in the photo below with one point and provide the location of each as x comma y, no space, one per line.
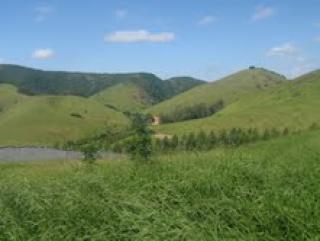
205,141
139,143
197,111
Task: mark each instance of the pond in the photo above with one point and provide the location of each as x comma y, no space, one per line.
17,154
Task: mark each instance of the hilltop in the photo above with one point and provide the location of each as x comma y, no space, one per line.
226,90
293,104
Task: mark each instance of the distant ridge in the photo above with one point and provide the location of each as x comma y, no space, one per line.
38,82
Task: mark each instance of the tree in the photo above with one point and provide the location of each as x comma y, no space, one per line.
191,142
285,131
140,144
222,140
174,142
90,152
266,135
165,144
212,140
201,141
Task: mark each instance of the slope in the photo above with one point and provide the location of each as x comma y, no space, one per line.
228,90
292,104
123,97
46,120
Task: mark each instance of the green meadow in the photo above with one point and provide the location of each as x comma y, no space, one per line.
263,191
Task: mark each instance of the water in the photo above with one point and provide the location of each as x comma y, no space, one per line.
14,154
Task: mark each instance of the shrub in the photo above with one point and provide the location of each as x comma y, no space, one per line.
76,115
90,152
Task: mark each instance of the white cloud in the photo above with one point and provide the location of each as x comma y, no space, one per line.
43,54
121,13
42,12
317,39
262,12
207,20
139,36
2,61
286,49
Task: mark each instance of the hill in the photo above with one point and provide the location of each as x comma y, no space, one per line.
177,85
226,90
293,104
131,97
124,97
36,82
46,120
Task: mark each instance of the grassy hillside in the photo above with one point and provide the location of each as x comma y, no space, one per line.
35,82
228,89
44,120
9,97
124,97
293,104
177,85
266,191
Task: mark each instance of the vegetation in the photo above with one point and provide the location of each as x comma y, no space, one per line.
124,97
46,120
197,111
291,104
228,89
263,191
90,152
202,141
139,146
34,82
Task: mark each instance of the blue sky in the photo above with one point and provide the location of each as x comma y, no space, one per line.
202,38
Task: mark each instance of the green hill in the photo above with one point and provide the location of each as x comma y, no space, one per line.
35,82
45,120
228,90
131,97
293,104
124,97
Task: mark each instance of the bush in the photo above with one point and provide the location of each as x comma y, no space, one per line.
90,152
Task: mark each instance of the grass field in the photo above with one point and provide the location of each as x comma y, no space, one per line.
125,97
293,104
45,120
263,191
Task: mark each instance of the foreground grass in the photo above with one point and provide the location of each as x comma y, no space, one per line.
266,191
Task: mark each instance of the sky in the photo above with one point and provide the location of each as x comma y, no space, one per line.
206,39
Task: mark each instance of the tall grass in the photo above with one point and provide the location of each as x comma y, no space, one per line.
264,191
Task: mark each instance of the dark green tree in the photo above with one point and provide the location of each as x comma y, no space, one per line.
266,134
191,142
285,131
174,143
202,141
212,140
140,144
90,152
